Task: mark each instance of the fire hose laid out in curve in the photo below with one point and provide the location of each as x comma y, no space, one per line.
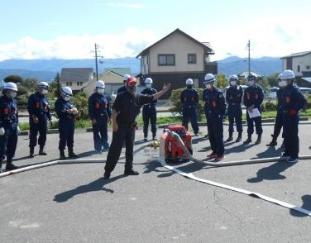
227,187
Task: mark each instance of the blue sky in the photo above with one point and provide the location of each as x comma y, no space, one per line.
68,28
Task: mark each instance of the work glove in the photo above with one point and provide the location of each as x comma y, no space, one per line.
2,131
18,130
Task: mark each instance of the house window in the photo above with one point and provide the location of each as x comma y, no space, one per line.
68,83
192,58
166,60
298,68
79,83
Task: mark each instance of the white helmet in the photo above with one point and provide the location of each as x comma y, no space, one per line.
44,85
209,78
148,81
10,86
126,77
233,78
66,91
279,76
189,81
288,75
100,84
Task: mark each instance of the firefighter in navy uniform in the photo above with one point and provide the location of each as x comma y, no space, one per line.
66,113
234,96
279,115
215,109
124,112
8,125
189,99
149,111
100,114
39,114
123,88
292,102
253,98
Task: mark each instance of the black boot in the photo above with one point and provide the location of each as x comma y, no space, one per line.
62,154
130,172
230,138
71,154
273,142
10,165
248,140
258,141
239,138
31,152
41,151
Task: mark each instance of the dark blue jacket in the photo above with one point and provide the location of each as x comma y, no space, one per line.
99,106
292,100
121,90
253,96
149,91
214,102
8,112
38,105
189,98
234,95
61,108
279,94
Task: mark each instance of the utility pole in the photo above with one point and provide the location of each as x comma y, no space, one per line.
96,61
249,57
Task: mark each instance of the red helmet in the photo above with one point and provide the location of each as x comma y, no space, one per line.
132,81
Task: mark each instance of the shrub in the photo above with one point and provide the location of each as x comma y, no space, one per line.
270,106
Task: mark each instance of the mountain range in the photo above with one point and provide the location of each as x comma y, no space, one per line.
46,69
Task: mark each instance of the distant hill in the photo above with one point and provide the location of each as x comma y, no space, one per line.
46,69
263,66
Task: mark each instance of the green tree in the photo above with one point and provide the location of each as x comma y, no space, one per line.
272,79
13,78
222,82
81,102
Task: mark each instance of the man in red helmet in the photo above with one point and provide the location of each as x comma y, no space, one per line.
124,112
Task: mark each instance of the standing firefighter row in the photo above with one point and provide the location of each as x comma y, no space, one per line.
126,107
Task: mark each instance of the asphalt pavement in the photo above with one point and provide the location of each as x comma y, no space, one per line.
72,202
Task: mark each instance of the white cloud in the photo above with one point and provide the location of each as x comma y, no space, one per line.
125,44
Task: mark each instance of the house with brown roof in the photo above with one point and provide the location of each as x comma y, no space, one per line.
76,78
175,58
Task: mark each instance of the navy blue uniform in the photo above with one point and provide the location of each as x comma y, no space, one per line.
292,101
9,121
121,90
66,124
253,96
38,107
189,99
128,107
150,113
215,109
279,115
99,111
234,99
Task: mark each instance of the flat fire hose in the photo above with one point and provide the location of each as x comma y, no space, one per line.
61,162
220,185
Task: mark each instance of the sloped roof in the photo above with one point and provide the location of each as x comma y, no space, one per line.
119,71
76,74
297,54
205,45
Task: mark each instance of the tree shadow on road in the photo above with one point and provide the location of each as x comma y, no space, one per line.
97,185
272,172
306,204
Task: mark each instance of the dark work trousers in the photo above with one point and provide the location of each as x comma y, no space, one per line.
250,125
125,134
235,115
150,115
291,139
100,133
278,125
190,114
215,132
66,134
8,143
35,128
